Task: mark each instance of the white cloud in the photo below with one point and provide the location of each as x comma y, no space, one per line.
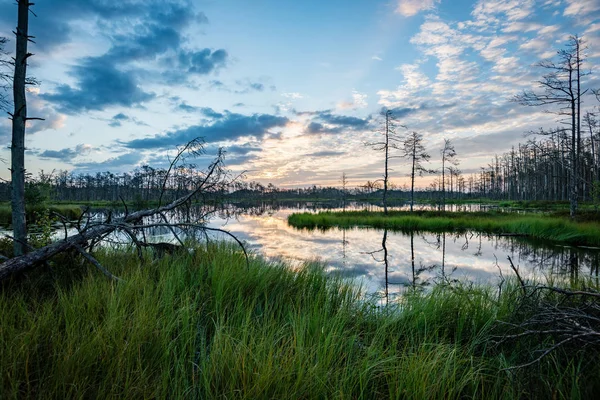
491,13
408,8
582,7
293,95
415,81
359,100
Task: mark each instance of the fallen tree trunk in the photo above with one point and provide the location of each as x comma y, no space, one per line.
212,180
81,239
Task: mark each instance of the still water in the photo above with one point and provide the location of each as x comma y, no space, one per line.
387,268
386,263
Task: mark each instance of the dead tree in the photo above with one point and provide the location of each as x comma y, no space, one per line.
344,182
561,87
390,141
414,150
448,157
19,121
4,77
134,225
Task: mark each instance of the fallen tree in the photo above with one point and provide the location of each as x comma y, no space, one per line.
134,225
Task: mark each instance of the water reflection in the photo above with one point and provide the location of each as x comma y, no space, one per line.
385,262
388,262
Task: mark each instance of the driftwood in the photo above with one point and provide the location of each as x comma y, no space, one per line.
90,233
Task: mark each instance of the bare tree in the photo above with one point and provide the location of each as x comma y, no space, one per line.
591,122
390,141
344,182
4,76
19,120
561,87
414,150
449,161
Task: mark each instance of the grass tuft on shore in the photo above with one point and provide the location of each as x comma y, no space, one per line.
202,325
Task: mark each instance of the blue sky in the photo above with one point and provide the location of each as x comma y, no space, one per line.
291,89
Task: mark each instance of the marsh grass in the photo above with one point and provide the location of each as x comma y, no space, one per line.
70,211
543,227
201,325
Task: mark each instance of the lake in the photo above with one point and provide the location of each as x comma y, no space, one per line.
406,260
413,260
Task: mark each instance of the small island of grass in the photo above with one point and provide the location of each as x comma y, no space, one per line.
546,227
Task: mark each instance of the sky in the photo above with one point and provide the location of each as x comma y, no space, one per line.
291,90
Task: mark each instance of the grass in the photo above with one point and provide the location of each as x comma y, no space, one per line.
201,325
71,211
555,228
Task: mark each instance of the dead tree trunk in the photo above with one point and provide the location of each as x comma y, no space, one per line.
81,239
211,181
19,119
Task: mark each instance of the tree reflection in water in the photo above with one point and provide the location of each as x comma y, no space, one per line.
402,261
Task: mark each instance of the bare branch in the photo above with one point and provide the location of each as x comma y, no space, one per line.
96,263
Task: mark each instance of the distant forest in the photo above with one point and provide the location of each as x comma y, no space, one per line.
536,170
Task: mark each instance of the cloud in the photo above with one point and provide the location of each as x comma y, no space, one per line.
325,122
402,112
415,82
99,85
58,21
126,159
359,100
239,159
259,87
67,154
147,46
582,7
342,120
240,86
492,13
206,111
326,153
318,128
248,86
51,119
202,62
293,95
409,8
118,119
230,126
242,149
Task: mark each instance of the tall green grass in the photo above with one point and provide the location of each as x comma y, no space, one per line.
201,325
558,229
70,211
